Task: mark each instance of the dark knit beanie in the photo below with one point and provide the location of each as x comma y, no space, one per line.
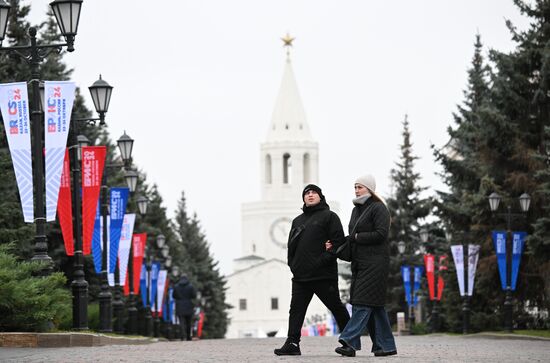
315,188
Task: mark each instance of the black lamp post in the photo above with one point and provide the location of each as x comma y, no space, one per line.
401,248
142,203
79,285
161,244
524,203
425,237
125,144
67,13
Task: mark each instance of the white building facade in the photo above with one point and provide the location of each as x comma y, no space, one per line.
259,289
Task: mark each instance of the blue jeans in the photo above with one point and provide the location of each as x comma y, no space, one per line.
376,320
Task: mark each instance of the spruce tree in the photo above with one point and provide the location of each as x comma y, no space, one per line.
407,208
197,262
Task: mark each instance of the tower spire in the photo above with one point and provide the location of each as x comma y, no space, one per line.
287,43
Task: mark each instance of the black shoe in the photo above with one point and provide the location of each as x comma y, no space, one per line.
288,348
346,350
381,353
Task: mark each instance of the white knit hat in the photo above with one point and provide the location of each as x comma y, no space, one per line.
369,182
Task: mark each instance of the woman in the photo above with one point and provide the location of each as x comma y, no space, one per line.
368,228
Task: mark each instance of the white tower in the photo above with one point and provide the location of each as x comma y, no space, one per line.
289,160
259,289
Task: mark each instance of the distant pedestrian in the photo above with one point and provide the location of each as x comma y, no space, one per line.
184,293
370,260
314,269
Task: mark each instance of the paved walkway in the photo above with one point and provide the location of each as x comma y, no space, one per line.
428,348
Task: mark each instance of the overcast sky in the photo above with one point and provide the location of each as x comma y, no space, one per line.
195,84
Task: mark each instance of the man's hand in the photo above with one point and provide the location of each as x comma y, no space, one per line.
328,245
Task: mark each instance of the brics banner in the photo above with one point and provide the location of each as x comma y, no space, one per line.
119,199
406,273
58,105
93,161
14,105
518,242
429,261
499,240
138,250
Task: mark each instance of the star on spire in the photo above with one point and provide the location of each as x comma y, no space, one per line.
287,43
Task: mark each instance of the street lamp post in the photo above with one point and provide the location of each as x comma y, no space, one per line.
142,203
524,202
424,237
79,285
67,14
161,240
125,144
401,248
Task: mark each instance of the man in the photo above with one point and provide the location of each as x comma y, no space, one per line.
314,269
184,293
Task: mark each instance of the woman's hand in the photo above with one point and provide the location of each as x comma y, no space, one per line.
328,245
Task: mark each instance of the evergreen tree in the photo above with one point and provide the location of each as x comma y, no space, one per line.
407,208
506,152
203,271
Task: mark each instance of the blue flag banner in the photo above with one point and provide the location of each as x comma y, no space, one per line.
499,240
119,199
518,242
96,240
143,284
418,271
155,269
406,273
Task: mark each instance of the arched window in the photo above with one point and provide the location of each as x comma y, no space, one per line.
268,169
307,169
287,167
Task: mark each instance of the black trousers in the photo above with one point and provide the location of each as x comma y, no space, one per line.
185,326
302,293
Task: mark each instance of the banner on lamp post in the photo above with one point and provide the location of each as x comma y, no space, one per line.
406,273
58,105
97,237
64,207
499,240
161,288
118,201
155,270
138,248
93,162
458,257
143,284
429,262
518,242
14,105
125,245
418,270
473,257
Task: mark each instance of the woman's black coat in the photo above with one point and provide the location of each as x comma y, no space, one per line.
307,256
370,253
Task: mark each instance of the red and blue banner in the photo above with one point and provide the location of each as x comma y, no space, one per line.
499,240
138,248
143,284
406,273
64,206
518,243
14,105
429,262
58,105
155,270
161,289
125,244
117,206
93,162
97,239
